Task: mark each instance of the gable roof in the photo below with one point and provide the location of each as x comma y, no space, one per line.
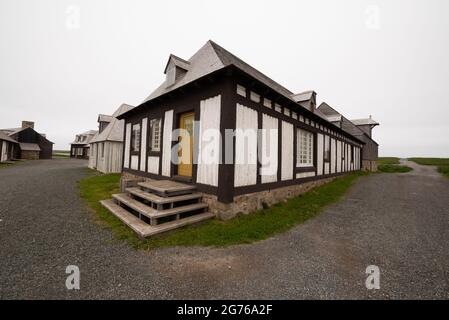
13,131
89,134
114,130
303,96
334,116
211,57
5,137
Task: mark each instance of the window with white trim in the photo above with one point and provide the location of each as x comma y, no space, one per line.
155,134
304,148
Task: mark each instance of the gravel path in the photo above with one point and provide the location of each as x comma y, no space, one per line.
399,222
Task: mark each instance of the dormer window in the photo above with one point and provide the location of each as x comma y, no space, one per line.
171,76
175,69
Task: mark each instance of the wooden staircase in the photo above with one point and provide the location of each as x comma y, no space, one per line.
158,206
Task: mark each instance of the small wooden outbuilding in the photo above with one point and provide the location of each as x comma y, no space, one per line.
106,147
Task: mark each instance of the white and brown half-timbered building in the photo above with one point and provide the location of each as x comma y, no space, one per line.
219,138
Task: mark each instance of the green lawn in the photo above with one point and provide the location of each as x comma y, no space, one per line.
244,229
441,163
9,163
391,165
61,154
387,160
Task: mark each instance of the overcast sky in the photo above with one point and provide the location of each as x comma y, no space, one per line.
64,62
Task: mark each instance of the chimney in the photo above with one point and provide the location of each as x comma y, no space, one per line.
27,124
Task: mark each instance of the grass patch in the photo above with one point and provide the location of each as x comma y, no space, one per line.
393,168
387,160
441,163
391,165
9,163
61,154
244,229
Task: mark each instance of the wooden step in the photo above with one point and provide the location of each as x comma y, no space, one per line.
134,204
178,210
137,225
164,227
145,230
162,200
166,187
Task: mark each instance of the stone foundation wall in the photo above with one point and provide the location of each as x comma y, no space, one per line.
243,204
30,155
370,165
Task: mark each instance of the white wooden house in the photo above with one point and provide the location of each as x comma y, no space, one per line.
106,147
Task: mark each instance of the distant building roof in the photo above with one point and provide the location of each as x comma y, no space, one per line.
367,121
5,137
104,118
114,130
88,136
29,146
13,131
303,96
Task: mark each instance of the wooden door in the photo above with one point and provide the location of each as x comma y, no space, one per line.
185,149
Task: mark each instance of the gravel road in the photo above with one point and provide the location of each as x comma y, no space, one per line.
398,222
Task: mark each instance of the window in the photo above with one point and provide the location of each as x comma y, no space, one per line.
155,134
327,149
294,115
241,90
352,154
254,97
79,151
287,112
277,107
267,102
304,148
135,138
102,149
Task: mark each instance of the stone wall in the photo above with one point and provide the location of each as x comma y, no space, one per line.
370,165
243,204
29,155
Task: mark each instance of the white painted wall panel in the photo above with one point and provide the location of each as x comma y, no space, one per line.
144,144
287,151
167,141
209,141
127,145
135,162
4,155
269,143
153,165
320,155
245,146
